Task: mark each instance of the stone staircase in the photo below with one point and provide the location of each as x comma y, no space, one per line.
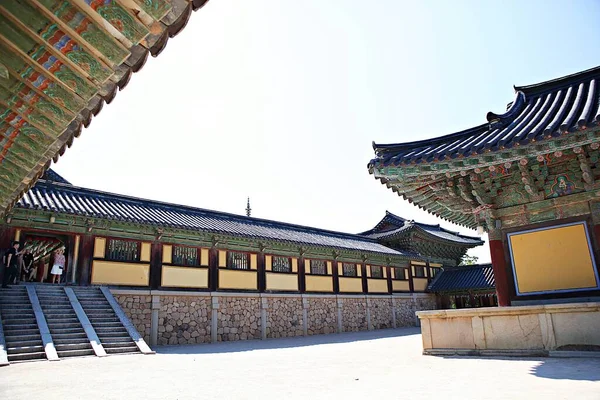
70,340
53,322
21,332
112,334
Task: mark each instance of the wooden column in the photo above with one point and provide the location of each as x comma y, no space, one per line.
389,279
336,276
213,269
84,261
500,275
260,267
411,285
365,284
7,235
156,252
301,274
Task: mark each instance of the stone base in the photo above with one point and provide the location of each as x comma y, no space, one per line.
526,330
174,317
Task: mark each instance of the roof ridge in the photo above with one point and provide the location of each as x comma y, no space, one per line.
241,218
553,84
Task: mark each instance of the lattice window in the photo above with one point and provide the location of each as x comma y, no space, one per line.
318,267
281,264
434,271
237,260
399,273
123,250
187,256
349,269
376,271
419,272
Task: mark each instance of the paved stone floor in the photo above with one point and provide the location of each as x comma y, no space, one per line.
369,365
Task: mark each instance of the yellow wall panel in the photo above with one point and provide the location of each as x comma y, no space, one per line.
307,266
204,257
268,263
418,263
368,271
184,277
118,273
420,284
358,270
552,259
398,286
316,283
236,279
435,265
288,282
167,254
350,285
294,265
145,252
222,258
329,268
253,262
377,285
99,247
18,235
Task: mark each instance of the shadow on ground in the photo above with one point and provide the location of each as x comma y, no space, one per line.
576,369
282,343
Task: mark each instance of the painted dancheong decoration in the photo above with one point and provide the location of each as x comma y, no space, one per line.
61,60
531,167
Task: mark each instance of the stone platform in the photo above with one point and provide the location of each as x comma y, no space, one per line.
525,330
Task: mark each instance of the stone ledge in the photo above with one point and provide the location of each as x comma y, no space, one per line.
518,310
511,353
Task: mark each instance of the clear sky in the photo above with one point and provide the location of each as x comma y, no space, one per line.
280,100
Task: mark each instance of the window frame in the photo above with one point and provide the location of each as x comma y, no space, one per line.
107,252
343,275
405,276
376,277
311,266
420,268
198,256
229,265
289,259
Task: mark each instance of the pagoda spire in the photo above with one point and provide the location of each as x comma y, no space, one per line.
248,209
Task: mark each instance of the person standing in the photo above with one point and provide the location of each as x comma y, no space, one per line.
58,266
27,267
11,264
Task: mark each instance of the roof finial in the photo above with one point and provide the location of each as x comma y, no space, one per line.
248,209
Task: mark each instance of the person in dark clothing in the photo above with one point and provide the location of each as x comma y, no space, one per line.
11,264
27,268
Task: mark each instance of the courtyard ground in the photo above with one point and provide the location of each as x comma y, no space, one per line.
383,364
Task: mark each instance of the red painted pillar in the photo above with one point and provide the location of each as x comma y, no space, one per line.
500,275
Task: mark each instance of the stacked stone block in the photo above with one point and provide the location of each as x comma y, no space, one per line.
284,317
138,309
238,319
322,315
380,310
354,314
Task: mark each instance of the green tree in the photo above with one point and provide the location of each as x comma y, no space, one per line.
468,260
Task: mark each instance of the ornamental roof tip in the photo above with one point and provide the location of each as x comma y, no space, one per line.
538,112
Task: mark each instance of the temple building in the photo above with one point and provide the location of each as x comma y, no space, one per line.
244,277
468,286
529,177
60,62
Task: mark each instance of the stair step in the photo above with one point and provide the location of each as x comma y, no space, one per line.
20,321
60,331
114,345
76,353
18,332
70,341
120,350
69,336
25,349
17,337
115,338
24,343
72,346
15,327
40,355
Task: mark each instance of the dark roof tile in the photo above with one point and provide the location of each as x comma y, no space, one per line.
464,278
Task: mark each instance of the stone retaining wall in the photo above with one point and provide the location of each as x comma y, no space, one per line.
172,317
138,309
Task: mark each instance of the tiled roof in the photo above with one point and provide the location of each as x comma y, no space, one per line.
401,225
539,112
464,278
68,199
